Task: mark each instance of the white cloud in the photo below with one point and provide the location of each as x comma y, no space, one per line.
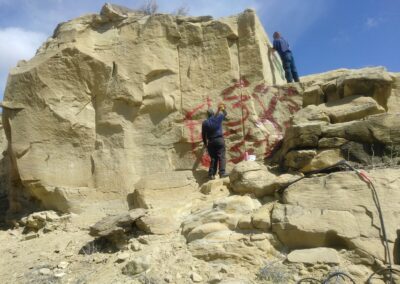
372,23
16,44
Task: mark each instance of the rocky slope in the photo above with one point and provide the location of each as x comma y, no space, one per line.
102,126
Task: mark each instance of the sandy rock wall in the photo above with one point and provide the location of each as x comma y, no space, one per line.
346,114
112,97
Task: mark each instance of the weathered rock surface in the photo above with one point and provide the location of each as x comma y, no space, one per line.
373,82
170,198
113,97
312,256
251,177
339,210
117,228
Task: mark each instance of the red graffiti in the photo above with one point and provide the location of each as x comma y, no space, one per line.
262,102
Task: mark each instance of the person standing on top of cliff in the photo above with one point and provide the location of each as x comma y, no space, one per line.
282,47
213,138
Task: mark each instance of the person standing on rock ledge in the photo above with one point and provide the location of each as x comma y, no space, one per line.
282,47
213,138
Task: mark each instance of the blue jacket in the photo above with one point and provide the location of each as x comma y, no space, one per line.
281,46
212,127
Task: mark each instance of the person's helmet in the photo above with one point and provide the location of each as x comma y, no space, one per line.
276,35
210,112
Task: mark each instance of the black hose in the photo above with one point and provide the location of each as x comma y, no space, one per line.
309,280
381,271
338,274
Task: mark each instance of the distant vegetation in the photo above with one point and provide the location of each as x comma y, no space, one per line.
150,7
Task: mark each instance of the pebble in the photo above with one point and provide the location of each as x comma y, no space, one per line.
59,274
30,236
196,277
123,256
44,271
63,265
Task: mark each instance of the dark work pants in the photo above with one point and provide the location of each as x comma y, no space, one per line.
290,67
216,150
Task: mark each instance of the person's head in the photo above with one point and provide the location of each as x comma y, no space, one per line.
277,35
210,113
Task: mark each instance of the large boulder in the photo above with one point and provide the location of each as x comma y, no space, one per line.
380,128
351,108
170,198
115,96
117,228
252,177
374,82
339,210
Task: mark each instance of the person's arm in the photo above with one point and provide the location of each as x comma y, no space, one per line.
204,134
221,108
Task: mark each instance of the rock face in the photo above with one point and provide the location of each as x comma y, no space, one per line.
108,115
338,210
112,97
346,115
4,164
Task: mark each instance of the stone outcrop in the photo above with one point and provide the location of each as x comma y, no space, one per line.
114,96
338,210
338,127
170,198
251,177
117,228
105,121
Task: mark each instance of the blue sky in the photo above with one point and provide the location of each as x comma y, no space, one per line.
324,34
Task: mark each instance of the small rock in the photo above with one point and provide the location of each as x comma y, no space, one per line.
135,245
214,279
143,240
168,279
123,256
30,236
59,274
136,266
51,216
223,268
63,264
44,271
303,272
196,277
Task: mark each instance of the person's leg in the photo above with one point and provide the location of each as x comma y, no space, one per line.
294,69
214,160
221,156
286,66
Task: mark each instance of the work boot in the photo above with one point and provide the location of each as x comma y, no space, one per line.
211,177
224,175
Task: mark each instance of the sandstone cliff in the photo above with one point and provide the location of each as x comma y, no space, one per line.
111,97
105,121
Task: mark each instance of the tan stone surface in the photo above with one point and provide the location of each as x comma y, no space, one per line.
4,164
313,256
170,198
351,108
394,99
116,96
344,195
310,113
382,128
331,142
313,96
323,159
